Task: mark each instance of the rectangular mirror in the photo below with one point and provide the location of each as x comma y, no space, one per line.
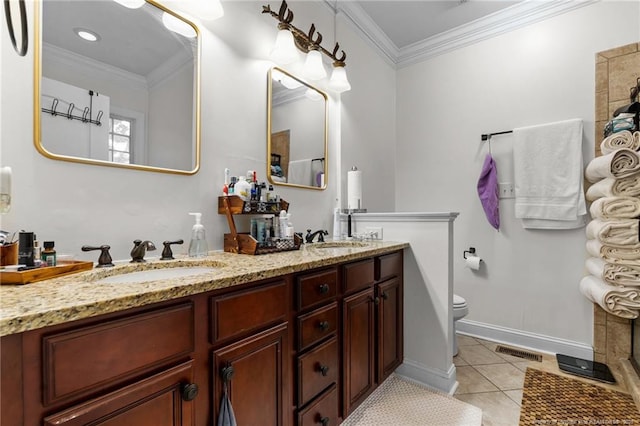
117,83
296,132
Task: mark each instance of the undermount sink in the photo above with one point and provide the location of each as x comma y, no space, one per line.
140,273
338,244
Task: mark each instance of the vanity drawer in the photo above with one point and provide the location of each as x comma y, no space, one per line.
325,407
244,311
316,288
358,275
317,370
317,325
83,360
389,265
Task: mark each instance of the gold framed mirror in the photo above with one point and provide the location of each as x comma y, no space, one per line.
117,84
297,115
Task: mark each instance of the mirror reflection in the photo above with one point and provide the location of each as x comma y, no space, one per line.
119,85
297,132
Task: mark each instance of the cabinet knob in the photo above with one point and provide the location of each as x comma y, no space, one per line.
384,295
323,288
323,325
189,391
324,421
375,300
324,369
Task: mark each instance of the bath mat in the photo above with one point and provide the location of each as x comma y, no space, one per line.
549,399
399,402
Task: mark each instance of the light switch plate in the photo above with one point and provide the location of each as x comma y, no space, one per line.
506,190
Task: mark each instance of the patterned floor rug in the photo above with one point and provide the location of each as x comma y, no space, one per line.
399,402
549,399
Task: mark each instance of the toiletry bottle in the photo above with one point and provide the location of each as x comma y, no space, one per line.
25,248
225,187
243,189
270,196
49,254
283,224
198,244
37,254
290,230
232,185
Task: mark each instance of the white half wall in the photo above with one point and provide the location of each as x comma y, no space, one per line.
428,291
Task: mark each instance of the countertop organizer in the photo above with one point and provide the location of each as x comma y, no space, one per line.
243,242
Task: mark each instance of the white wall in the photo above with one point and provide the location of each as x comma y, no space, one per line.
537,74
76,204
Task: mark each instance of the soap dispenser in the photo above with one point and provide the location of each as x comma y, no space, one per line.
198,244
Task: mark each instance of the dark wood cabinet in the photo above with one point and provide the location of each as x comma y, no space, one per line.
160,400
298,349
257,373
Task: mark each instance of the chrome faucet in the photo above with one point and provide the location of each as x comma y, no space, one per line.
311,235
139,249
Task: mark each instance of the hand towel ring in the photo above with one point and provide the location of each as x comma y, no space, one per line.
23,24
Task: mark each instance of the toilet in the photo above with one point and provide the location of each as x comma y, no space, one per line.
460,310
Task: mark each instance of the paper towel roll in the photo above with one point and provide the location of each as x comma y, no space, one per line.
354,189
473,262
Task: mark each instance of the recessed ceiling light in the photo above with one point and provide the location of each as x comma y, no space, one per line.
86,34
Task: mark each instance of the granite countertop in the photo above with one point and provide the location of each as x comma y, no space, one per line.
77,296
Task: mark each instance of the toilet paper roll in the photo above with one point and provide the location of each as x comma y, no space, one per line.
354,189
473,262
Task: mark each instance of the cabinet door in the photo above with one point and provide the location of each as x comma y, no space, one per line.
358,350
389,336
156,401
258,387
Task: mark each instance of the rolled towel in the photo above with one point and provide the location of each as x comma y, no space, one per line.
623,139
620,301
628,186
613,274
622,232
618,164
629,255
615,208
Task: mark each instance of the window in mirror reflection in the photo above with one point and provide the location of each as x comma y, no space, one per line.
297,132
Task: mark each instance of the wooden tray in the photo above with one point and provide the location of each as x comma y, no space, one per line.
40,274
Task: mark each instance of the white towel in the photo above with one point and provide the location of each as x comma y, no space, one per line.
618,164
627,186
623,139
615,233
613,274
615,208
548,175
620,301
628,255
300,172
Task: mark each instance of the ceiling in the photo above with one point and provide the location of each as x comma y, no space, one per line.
409,22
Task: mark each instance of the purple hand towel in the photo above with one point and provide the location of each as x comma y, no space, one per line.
488,191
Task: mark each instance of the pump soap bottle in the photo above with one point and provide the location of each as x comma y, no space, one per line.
198,244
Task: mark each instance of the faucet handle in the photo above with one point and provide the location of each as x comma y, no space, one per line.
321,236
105,258
167,254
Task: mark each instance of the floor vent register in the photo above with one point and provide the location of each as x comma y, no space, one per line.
519,353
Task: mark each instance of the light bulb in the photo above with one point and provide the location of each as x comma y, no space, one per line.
313,68
339,82
284,52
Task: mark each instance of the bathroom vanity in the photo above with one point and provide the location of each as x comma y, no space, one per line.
296,338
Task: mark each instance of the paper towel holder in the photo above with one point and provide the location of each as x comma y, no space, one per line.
472,250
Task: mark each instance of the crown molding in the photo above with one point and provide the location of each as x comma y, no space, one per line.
503,21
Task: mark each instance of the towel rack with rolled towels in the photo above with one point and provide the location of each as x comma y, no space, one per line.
487,136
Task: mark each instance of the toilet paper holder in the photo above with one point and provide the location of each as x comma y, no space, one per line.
472,250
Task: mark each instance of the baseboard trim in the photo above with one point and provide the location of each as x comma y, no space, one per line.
443,381
524,339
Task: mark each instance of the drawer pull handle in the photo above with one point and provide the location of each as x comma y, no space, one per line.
323,325
375,300
189,391
384,295
323,288
324,421
324,369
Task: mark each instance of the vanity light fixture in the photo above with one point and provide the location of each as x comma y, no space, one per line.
309,43
87,35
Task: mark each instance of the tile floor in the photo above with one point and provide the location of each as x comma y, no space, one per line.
489,380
